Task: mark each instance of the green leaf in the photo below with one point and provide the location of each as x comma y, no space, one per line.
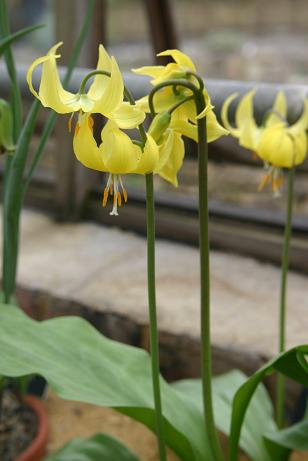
81,364
292,364
97,448
259,416
6,126
6,41
293,438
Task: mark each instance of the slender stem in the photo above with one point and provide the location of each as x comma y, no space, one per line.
154,343
150,212
280,392
206,353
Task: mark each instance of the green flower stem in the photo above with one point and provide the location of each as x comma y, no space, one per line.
15,189
280,391
154,344
206,353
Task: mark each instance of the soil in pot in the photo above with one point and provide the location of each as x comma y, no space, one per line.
73,419
18,427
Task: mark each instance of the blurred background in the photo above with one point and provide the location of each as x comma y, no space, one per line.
245,40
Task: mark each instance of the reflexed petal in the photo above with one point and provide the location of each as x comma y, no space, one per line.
85,146
128,116
180,58
98,86
280,107
51,92
148,158
302,122
112,96
165,98
143,103
175,161
185,128
214,130
118,152
249,135
165,149
151,71
244,111
224,115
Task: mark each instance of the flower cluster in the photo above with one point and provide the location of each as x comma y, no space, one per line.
277,143
161,148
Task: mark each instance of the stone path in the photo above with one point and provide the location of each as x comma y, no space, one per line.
105,269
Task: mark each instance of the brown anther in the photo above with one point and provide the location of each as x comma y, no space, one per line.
105,197
124,195
265,180
90,122
77,128
119,199
254,156
111,189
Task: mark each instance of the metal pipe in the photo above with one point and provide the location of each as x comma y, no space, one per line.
218,89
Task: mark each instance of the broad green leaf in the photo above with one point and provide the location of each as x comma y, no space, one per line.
97,448
292,438
259,418
81,364
292,364
6,41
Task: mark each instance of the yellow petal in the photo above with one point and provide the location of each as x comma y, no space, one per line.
151,71
279,148
128,116
148,158
175,161
302,122
185,128
112,97
51,93
224,115
244,111
118,152
278,111
165,149
97,88
143,103
214,130
84,144
180,58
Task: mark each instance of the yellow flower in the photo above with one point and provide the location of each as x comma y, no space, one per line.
184,118
118,155
278,144
105,94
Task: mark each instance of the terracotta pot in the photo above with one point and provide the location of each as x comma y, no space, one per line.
36,451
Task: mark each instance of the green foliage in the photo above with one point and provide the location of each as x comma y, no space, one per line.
291,364
8,40
6,127
97,448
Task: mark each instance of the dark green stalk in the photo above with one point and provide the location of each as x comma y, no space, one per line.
15,189
206,353
280,391
10,64
154,343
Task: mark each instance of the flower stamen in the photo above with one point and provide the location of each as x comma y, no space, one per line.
112,188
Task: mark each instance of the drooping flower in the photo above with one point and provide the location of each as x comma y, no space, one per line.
185,116
104,96
118,155
277,143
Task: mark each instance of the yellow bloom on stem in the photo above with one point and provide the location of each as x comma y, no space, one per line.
104,96
118,155
184,118
278,144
